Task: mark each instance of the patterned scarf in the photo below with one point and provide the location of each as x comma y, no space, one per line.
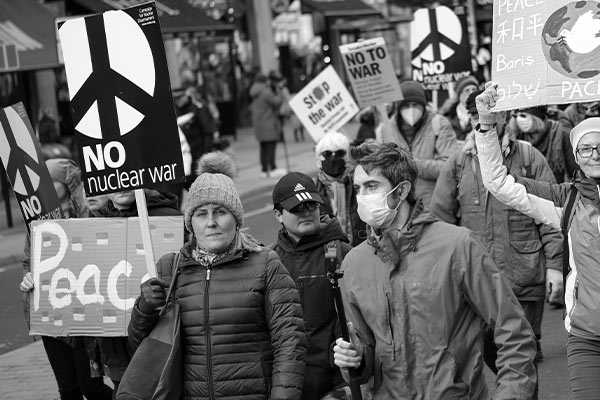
207,259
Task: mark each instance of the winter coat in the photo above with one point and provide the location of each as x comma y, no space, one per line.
419,298
265,112
433,143
115,351
359,228
241,325
521,248
308,266
545,202
199,130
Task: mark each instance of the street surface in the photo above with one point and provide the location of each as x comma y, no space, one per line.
554,383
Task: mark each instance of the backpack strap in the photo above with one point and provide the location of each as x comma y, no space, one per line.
174,273
333,255
565,225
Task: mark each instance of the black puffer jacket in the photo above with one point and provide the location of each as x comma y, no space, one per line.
308,267
243,333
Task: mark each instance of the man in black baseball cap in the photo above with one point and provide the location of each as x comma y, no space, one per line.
301,245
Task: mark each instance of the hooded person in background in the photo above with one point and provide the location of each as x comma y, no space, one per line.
548,136
301,246
115,351
426,135
241,320
457,113
529,254
74,359
335,187
267,98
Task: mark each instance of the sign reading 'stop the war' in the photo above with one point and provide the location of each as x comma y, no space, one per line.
440,48
546,52
121,100
324,104
24,163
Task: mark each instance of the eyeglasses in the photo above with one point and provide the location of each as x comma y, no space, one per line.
300,208
327,154
586,152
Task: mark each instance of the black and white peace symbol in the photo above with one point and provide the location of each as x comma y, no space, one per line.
436,35
18,153
110,73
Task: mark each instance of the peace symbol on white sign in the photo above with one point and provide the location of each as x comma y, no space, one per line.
91,75
435,35
18,154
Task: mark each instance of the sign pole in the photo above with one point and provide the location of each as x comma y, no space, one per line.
140,200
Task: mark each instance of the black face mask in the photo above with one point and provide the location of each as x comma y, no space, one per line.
334,166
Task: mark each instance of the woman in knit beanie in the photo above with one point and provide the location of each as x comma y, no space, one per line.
242,328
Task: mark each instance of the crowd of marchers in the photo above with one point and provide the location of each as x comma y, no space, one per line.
452,228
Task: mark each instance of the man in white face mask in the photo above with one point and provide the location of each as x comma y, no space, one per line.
418,292
426,135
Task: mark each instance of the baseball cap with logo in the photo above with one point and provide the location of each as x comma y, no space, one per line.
293,189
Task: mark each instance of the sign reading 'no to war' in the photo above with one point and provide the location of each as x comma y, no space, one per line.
27,172
371,72
121,100
75,294
546,52
324,105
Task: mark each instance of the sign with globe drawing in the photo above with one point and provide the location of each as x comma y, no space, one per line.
25,166
324,105
546,52
122,107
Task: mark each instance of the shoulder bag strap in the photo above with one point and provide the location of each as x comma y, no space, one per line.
174,273
565,223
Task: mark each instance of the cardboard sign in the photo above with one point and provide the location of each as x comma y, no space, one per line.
371,72
324,105
25,166
87,272
440,48
121,100
545,52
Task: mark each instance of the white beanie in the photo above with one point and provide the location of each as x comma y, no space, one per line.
583,128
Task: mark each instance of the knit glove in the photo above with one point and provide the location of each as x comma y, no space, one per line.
484,103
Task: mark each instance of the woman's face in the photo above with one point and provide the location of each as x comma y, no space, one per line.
63,196
214,227
589,165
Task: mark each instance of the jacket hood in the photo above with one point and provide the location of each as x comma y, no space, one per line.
257,88
589,188
329,230
401,241
509,139
157,203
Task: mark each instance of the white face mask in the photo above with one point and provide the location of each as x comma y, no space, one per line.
411,115
525,123
374,211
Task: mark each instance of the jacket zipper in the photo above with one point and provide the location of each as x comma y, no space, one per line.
390,326
211,394
474,167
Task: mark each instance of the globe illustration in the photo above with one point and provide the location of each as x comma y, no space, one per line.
571,39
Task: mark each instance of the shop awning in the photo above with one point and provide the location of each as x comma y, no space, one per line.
176,16
340,8
27,36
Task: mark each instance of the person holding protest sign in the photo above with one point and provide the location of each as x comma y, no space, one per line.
115,352
73,359
418,292
572,207
241,319
428,136
334,185
528,254
548,136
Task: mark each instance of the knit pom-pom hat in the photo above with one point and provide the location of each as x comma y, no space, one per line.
214,185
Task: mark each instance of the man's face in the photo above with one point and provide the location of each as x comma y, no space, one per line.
300,220
372,184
